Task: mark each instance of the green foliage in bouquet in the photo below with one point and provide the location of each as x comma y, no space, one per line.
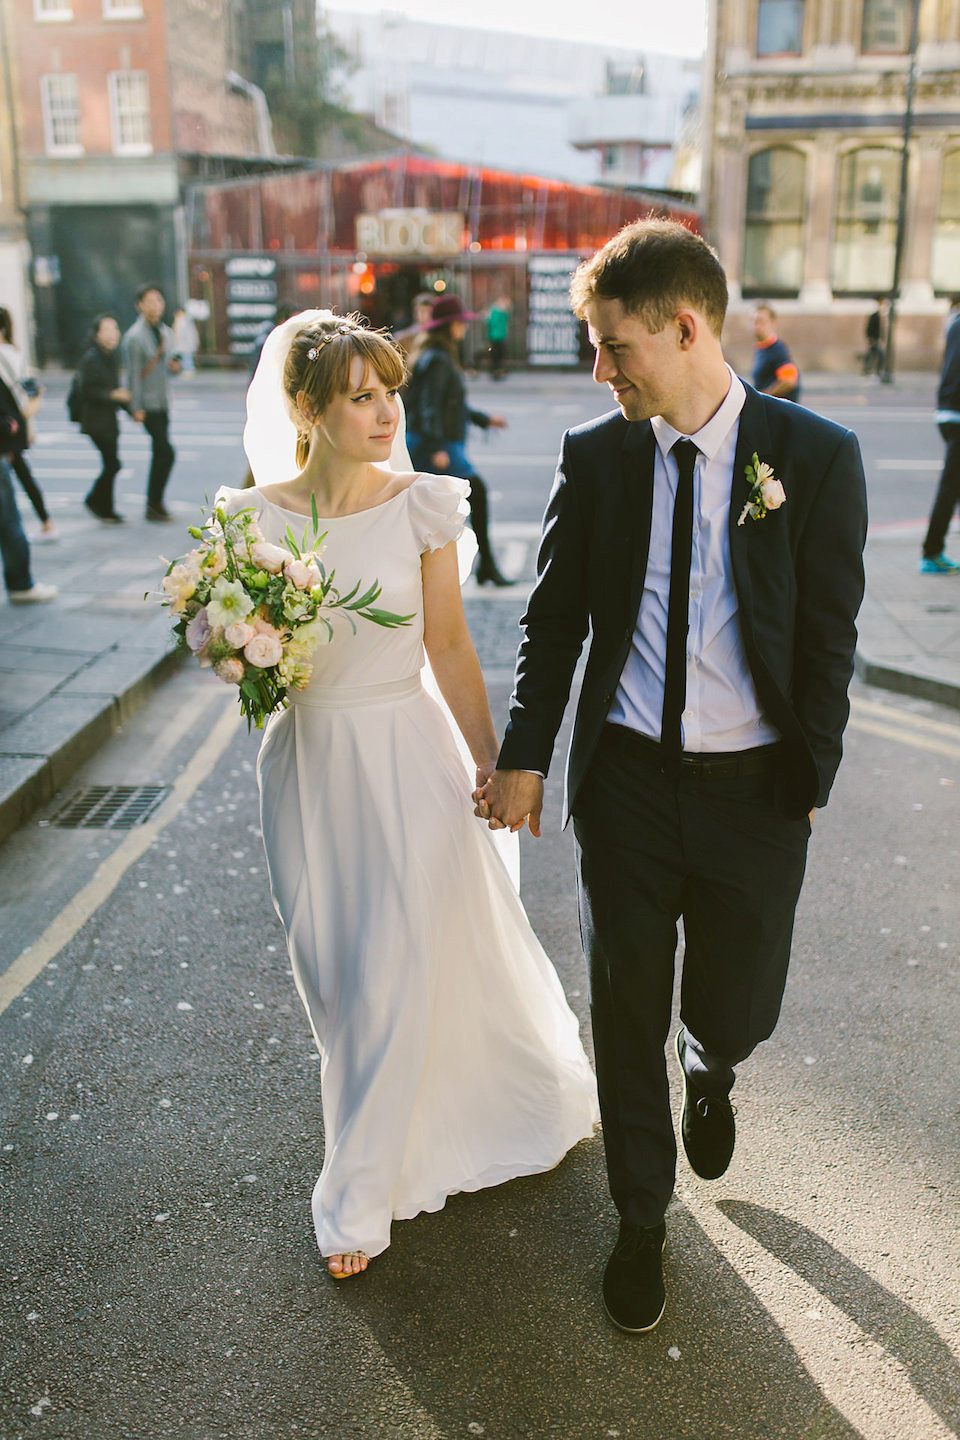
256,611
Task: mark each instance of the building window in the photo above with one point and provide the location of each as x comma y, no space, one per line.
130,112
779,27
886,26
122,10
945,259
773,235
865,234
60,98
52,10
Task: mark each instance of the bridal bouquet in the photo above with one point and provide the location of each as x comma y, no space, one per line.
256,611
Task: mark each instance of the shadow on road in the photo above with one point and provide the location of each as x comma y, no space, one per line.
934,1369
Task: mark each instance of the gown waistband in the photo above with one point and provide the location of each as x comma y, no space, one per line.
341,696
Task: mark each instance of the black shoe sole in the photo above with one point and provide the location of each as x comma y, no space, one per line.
635,1329
679,1047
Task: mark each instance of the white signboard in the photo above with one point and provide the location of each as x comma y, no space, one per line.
553,331
410,232
251,299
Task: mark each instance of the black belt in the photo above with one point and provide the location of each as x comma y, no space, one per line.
713,765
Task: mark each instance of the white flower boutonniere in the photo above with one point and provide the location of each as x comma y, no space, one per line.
766,492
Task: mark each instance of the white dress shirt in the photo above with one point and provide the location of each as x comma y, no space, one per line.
721,712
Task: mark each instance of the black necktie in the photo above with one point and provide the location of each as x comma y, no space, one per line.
678,606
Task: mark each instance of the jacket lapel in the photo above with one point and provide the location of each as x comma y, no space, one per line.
753,435
636,474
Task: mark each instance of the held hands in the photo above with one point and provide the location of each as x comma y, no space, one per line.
510,799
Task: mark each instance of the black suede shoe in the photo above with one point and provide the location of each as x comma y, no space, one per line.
633,1293
707,1126
109,517
158,512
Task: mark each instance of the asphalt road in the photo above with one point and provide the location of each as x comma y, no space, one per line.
160,1117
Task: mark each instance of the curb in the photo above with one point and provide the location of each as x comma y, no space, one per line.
906,682
78,721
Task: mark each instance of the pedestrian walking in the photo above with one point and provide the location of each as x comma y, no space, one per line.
933,557
874,336
21,587
451,1060
709,540
774,371
498,328
15,373
438,416
102,397
149,357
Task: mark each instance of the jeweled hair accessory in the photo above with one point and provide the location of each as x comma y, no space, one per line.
314,350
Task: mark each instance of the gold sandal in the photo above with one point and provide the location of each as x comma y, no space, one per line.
347,1255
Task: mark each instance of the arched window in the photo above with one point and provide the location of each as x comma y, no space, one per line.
945,259
779,27
886,27
773,234
865,232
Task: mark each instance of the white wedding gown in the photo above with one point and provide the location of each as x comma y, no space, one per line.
450,1059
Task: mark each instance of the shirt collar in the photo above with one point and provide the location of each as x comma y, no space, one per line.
710,438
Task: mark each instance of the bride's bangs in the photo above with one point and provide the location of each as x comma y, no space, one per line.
379,353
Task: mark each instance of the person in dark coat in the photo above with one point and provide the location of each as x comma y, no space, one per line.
103,396
14,546
709,541
438,416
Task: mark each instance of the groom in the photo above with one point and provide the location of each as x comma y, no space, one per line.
709,539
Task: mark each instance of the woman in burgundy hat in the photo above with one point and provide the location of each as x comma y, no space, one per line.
438,415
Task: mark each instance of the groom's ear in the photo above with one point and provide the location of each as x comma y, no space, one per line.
687,323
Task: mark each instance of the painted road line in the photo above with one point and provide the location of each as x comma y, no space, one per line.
905,737
61,931
905,718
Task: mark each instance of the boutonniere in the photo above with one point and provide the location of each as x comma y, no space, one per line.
766,492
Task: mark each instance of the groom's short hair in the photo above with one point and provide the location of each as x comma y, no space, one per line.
654,268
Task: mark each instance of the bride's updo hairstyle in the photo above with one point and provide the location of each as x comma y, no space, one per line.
319,360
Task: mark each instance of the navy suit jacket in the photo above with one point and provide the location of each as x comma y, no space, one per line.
798,576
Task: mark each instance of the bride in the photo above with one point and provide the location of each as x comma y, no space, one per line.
450,1059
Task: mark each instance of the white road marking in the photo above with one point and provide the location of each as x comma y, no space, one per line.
62,929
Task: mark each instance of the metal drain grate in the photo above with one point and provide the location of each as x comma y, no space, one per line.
108,807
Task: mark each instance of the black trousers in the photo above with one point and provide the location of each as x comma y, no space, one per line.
100,495
157,423
652,847
34,494
947,497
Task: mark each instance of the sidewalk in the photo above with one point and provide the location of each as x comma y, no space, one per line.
72,671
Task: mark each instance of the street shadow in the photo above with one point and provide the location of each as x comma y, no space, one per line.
489,1313
933,1367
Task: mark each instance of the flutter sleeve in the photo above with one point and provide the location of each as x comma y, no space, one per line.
438,510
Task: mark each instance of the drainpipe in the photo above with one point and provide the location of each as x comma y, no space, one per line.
260,108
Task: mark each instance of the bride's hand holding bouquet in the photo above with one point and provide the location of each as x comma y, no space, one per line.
256,611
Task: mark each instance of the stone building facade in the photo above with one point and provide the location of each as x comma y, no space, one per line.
805,134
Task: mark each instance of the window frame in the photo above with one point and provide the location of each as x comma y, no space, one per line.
59,10
853,224
756,221
865,49
118,145
943,224
122,9
66,149
798,5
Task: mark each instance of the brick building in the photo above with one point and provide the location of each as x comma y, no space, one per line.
118,104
